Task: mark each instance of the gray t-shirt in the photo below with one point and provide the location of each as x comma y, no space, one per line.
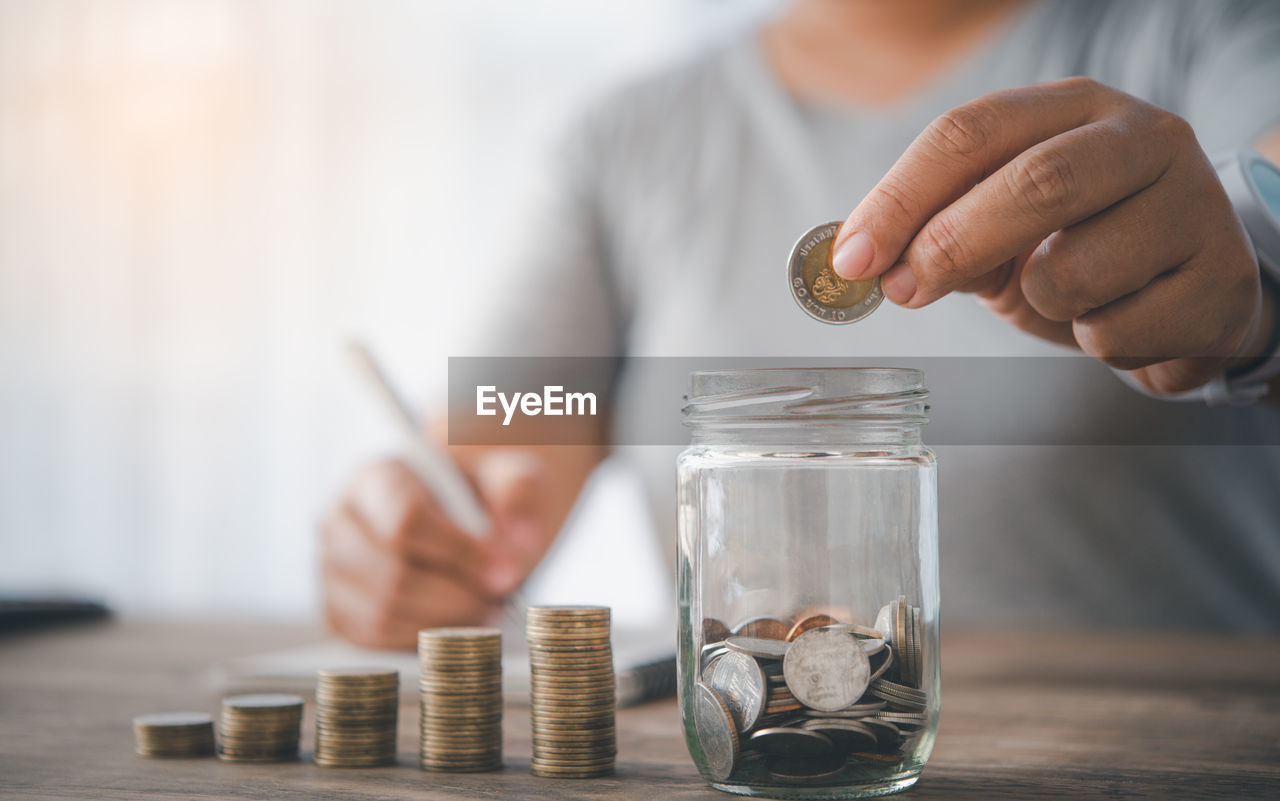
674,203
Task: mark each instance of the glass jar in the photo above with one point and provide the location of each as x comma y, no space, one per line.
807,581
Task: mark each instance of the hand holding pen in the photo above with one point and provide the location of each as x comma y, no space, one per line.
414,542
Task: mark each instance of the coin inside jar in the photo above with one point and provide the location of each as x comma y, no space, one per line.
805,770
767,628
717,734
739,681
826,669
818,290
823,705
759,647
810,622
792,742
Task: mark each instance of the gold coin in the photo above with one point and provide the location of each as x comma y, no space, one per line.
817,289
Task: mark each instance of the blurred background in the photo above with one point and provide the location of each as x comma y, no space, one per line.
200,200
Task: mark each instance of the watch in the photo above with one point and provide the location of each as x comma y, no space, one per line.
1253,187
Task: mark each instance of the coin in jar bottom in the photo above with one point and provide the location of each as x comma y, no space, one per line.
839,710
717,732
818,290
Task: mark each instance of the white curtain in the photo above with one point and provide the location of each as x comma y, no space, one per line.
199,199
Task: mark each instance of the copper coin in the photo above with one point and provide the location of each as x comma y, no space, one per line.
766,627
810,622
713,630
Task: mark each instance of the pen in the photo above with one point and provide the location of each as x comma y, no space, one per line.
427,460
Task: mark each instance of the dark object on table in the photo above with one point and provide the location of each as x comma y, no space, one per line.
29,614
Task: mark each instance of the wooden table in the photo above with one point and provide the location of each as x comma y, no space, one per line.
1024,716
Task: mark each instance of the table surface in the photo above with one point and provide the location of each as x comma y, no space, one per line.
1024,715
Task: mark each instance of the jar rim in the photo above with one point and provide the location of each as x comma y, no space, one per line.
790,396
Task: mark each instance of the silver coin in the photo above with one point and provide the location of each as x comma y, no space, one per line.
884,623
869,639
740,682
886,661
855,712
903,718
887,735
759,647
717,733
817,289
900,637
712,652
792,742
847,735
915,636
888,690
826,669
810,770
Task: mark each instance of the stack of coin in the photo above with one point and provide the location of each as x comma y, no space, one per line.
356,717
461,684
811,699
572,691
899,623
259,728
174,734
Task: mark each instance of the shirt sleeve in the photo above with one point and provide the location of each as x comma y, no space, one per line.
1232,92
555,295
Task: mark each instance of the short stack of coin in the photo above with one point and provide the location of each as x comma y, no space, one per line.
461,685
572,691
899,622
356,710
259,728
811,698
174,734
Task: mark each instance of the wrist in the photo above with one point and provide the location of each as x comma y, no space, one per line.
1263,340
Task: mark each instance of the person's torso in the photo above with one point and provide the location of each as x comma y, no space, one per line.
718,172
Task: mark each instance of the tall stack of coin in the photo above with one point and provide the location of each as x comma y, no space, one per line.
174,734
461,684
259,728
356,711
572,691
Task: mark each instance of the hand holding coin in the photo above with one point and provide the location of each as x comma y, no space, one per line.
1079,214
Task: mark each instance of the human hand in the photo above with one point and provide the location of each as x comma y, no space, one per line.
1079,214
394,563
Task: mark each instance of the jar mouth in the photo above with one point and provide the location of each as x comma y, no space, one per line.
789,396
